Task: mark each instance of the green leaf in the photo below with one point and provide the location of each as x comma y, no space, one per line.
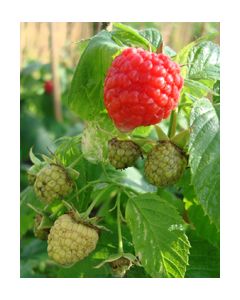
216,88
68,149
169,51
34,258
149,38
217,108
133,178
142,131
204,260
204,157
182,56
158,236
130,36
196,88
86,92
153,36
27,214
83,45
185,185
203,227
204,61
171,199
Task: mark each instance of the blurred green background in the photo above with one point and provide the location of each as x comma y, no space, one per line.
49,54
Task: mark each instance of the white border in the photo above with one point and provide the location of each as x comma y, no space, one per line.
160,11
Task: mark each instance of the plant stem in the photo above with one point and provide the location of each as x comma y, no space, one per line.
73,164
94,202
37,210
110,182
91,206
104,171
173,124
120,242
87,186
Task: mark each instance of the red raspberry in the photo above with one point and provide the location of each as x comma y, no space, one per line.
48,87
141,88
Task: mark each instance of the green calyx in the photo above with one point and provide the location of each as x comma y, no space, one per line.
120,263
42,225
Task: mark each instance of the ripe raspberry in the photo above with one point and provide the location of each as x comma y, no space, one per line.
123,154
41,234
165,164
48,86
120,266
69,241
52,182
141,88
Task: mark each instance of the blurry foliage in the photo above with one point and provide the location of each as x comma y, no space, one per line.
38,125
35,37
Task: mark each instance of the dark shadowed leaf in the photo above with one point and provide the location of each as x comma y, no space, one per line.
203,227
204,259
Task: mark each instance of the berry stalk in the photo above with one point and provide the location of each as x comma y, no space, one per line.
173,124
120,242
94,202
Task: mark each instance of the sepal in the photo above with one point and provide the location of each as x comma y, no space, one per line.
181,139
120,263
73,174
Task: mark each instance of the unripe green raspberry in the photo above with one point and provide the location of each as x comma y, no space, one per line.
123,154
52,182
41,234
120,266
69,241
165,164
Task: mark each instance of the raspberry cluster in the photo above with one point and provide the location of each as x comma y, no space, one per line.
141,88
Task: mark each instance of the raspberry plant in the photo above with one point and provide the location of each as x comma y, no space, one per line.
136,193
